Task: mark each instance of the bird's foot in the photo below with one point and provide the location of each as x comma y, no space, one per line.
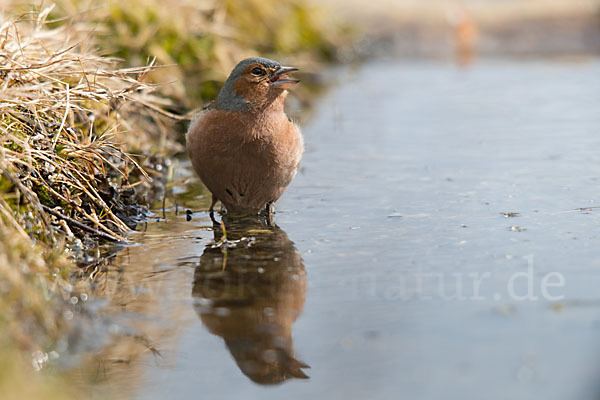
269,213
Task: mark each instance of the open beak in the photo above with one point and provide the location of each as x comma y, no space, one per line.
281,80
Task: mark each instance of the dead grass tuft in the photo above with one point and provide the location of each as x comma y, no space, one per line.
61,107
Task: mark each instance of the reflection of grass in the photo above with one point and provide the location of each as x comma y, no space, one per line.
16,385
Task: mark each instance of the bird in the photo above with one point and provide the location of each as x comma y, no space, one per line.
244,148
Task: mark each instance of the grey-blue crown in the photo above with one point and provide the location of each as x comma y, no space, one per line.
227,100
237,71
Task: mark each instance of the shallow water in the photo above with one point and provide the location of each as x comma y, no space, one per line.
393,270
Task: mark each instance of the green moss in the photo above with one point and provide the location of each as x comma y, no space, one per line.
44,196
10,145
6,186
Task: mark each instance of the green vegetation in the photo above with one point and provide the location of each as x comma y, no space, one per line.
200,41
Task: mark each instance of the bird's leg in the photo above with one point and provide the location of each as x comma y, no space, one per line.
270,209
212,218
211,210
212,204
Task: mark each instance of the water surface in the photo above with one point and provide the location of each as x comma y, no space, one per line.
432,246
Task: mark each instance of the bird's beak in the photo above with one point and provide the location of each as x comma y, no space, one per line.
281,80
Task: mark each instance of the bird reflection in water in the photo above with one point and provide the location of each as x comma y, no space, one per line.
249,289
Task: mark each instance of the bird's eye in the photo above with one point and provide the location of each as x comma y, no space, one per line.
258,71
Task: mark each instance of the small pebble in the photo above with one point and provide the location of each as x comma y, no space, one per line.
510,214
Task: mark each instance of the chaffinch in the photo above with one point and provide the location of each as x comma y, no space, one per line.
244,148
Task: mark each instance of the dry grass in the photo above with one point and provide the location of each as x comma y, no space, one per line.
60,110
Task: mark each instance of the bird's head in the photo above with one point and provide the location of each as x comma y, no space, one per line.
255,83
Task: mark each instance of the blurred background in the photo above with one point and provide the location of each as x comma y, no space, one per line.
492,27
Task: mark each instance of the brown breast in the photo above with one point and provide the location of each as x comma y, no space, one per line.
245,159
